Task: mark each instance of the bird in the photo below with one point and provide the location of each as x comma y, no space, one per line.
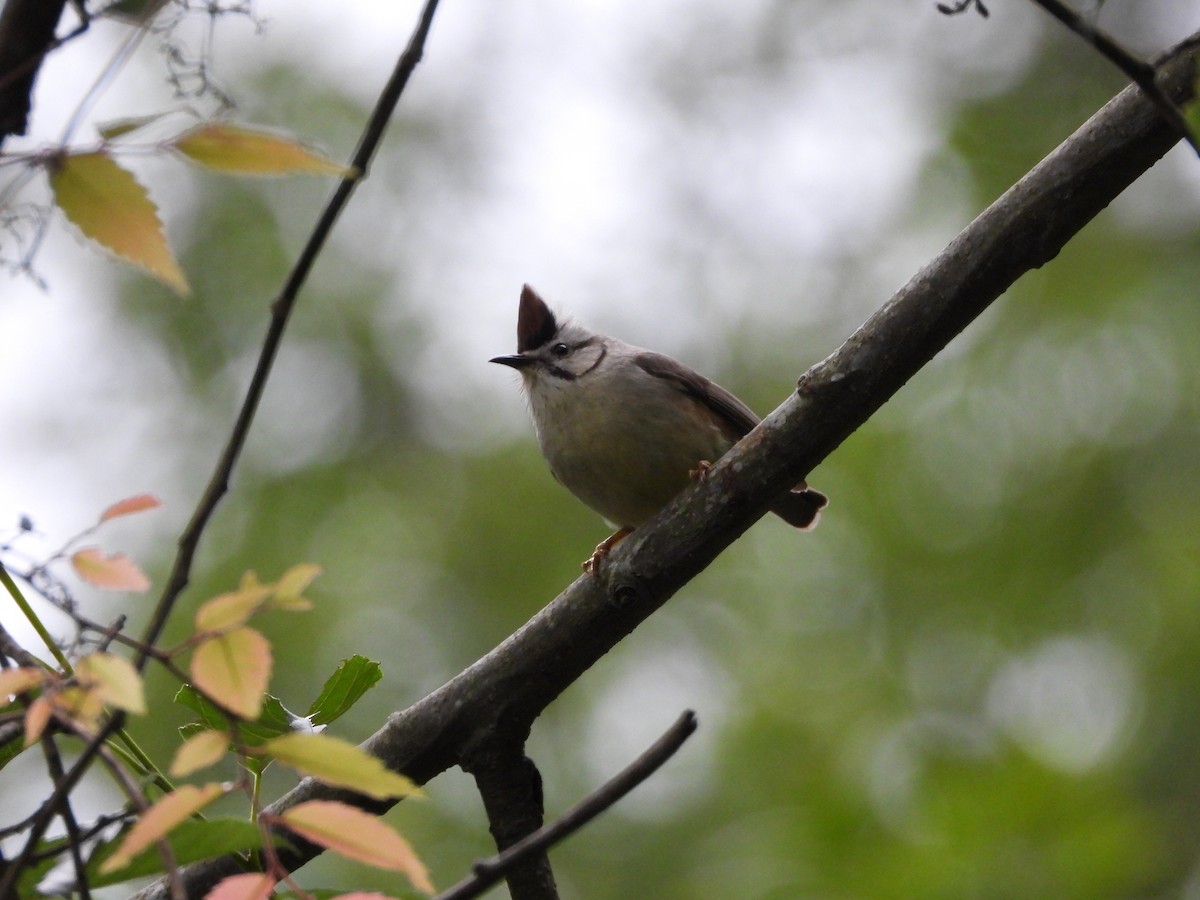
623,428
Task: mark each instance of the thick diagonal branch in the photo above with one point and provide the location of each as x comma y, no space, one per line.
1022,230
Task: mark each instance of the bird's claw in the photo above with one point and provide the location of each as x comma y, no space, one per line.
591,565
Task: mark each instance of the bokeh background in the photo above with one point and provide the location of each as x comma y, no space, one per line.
979,678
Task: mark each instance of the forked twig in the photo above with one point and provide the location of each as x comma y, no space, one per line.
489,872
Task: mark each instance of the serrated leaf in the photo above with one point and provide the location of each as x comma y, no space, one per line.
159,819
234,669
250,151
345,687
273,721
111,573
130,505
199,752
115,680
359,836
339,763
104,201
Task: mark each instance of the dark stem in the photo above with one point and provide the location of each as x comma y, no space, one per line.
511,788
74,839
489,872
1140,72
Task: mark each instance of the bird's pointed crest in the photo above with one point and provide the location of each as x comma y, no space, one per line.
535,322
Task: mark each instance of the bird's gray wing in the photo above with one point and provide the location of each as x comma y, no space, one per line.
733,412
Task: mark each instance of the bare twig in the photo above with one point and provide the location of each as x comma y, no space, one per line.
1022,230
1140,72
219,484
281,310
489,872
74,839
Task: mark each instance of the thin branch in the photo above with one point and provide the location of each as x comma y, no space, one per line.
281,310
1022,230
489,872
74,839
1140,72
134,792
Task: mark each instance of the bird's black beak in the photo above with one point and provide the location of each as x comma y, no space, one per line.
517,361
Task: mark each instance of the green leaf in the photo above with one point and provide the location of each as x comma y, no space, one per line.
273,721
13,748
190,841
345,687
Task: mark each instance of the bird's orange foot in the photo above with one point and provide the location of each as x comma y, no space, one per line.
701,471
591,565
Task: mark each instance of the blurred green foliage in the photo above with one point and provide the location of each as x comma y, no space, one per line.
976,679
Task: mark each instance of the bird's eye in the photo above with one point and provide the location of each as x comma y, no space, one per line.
560,350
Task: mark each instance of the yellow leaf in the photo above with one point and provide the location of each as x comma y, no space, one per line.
234,669
81,704
107,204
290,587
116,681
359,836
340,764
130,505
251,886
198,752
17,681
230,610
159,819
249,151
112,573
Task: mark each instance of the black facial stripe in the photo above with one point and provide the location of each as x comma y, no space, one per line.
560,372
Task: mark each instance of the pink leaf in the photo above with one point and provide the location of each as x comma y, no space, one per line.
159,819
112,573
234,669
359,836
252,886
130,505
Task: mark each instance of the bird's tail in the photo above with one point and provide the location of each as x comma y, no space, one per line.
801,507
